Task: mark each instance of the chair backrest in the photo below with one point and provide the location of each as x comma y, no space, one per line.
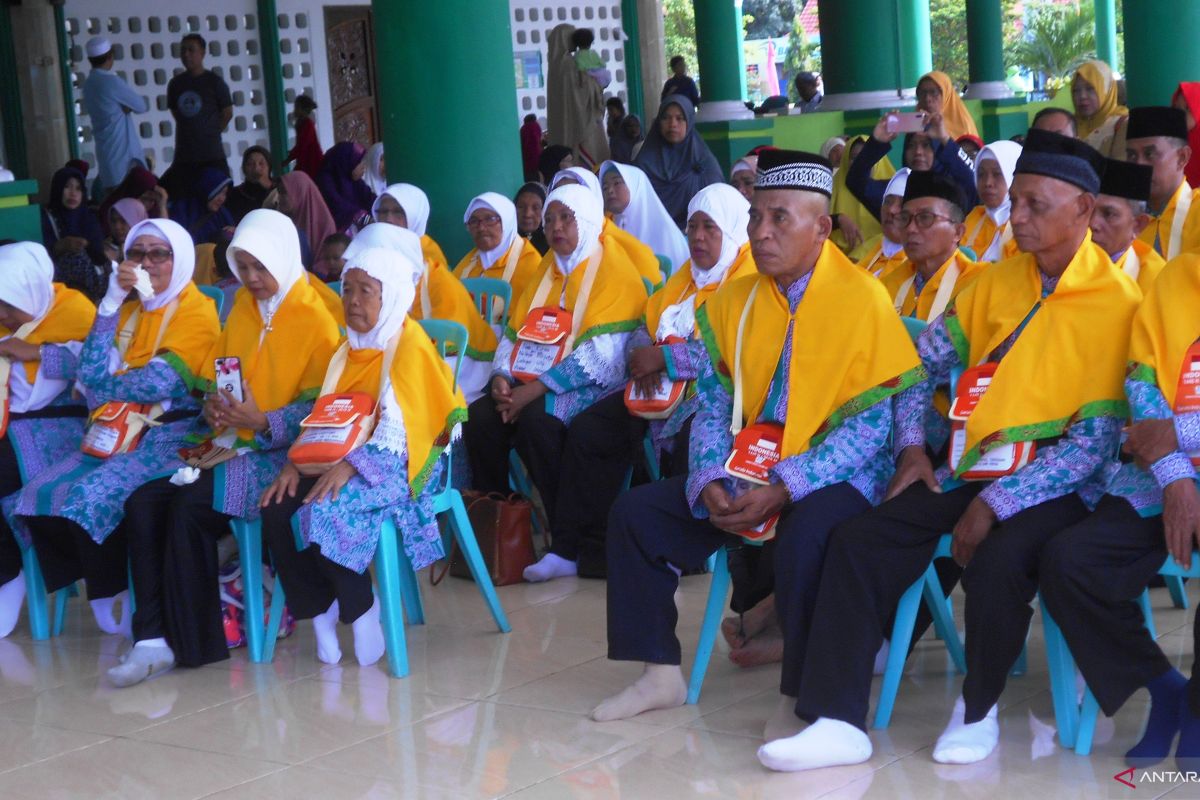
665,265
337,287
490,295
914,326
216,295
649,286
447,334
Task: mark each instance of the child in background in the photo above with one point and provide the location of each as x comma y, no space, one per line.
330,262
307,152
588,60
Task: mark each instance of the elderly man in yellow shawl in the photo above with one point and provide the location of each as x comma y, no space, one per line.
790,438
1093,573
1036,413
1120,215
1158,137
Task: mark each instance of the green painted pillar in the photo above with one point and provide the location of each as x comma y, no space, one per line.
64,66
1160,49
985,50
15,152
860,55
272,67
452,150
916,50
722,63
633,57
1106,32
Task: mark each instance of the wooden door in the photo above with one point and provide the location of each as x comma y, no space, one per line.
350,49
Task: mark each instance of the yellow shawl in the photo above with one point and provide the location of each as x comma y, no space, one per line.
423,385
681,285
638,253
1158,233
1166,326
329,299
849,349
527,265
844,202
980,231
1150,264
1100,77
69,319
875,261
189,338
447,298
433,252
289,364
959,121
1067,363
919,306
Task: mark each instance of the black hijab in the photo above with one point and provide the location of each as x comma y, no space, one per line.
537,237
678,171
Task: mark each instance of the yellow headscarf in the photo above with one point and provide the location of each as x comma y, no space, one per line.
864,357
959,121
1100,77
189,337
1057,373
844,201
682,285
1166,326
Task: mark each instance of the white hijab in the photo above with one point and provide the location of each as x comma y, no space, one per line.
414,202
746,164
374,175
389,237
183,257
27,278
395,272
895,187
507,212
585,177
1005,154
645,217
271,238
589,217
731,212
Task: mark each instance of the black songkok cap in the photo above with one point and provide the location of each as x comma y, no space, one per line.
1056,156
1148,121
1125,179
929,184
796,170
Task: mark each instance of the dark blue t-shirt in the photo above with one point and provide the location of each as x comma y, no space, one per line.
196,102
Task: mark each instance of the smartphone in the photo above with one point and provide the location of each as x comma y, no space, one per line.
906,122
229,376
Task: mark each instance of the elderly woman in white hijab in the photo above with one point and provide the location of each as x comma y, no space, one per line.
562,355
260,380
500,251
640,253
885,251
395,473
42,328
989,233
636,209
407,206
376,174
742,175
141,361
665,350
833,150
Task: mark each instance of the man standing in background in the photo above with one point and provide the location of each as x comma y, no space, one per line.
111,103
200,102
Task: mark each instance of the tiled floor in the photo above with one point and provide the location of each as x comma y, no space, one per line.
490,715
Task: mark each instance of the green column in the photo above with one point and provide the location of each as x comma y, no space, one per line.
722,64
1160,49
633,57
985,50
272,66
16,154
1106,32
452,150
860,54
64,65
916,51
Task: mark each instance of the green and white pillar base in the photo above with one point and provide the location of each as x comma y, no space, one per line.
988,90
855,101
723,110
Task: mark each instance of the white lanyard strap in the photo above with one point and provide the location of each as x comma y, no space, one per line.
736,424
1181,213
945,289
902,292
337,365
1133,263
125,335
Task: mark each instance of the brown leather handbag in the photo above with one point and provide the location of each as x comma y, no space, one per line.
504,530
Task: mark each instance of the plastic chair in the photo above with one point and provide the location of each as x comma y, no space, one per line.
36,599
665,265
216,295
487,293
336,286
714,610
650,287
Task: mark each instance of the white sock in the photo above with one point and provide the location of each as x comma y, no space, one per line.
661,686
325,626
825,743
148,658
12,594
550,567
961,743
102,610
881,657
368,636
783,722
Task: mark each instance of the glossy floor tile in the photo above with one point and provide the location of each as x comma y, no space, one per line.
490,715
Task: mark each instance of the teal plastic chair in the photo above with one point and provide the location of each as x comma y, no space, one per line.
337,287
248,535
37,602
216,295
714,610
487,292
650,287
665,265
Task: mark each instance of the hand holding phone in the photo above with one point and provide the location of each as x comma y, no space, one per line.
907,122
229,377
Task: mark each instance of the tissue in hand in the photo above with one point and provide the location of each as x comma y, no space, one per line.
142,284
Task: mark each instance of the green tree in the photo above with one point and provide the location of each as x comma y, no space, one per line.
802,55
770,19
1056,40
679,29
948,26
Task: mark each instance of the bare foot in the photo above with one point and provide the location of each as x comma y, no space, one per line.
752,623
766,648
731,629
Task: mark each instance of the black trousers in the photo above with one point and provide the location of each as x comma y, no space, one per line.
10,481
67,553
310,580
873,559
579,469
653,527
1091,577
675,461
173,533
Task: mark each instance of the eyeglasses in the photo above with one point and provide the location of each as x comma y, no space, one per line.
159,255
475,223
924,219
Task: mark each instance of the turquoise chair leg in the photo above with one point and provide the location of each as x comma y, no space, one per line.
36,601
387,574
714,609
60,608
410,594
1148,612
902,631
942,611
249,540
652,465
1062,681
521,483
1088,715
271,632
464,534
1178,592
1022,665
